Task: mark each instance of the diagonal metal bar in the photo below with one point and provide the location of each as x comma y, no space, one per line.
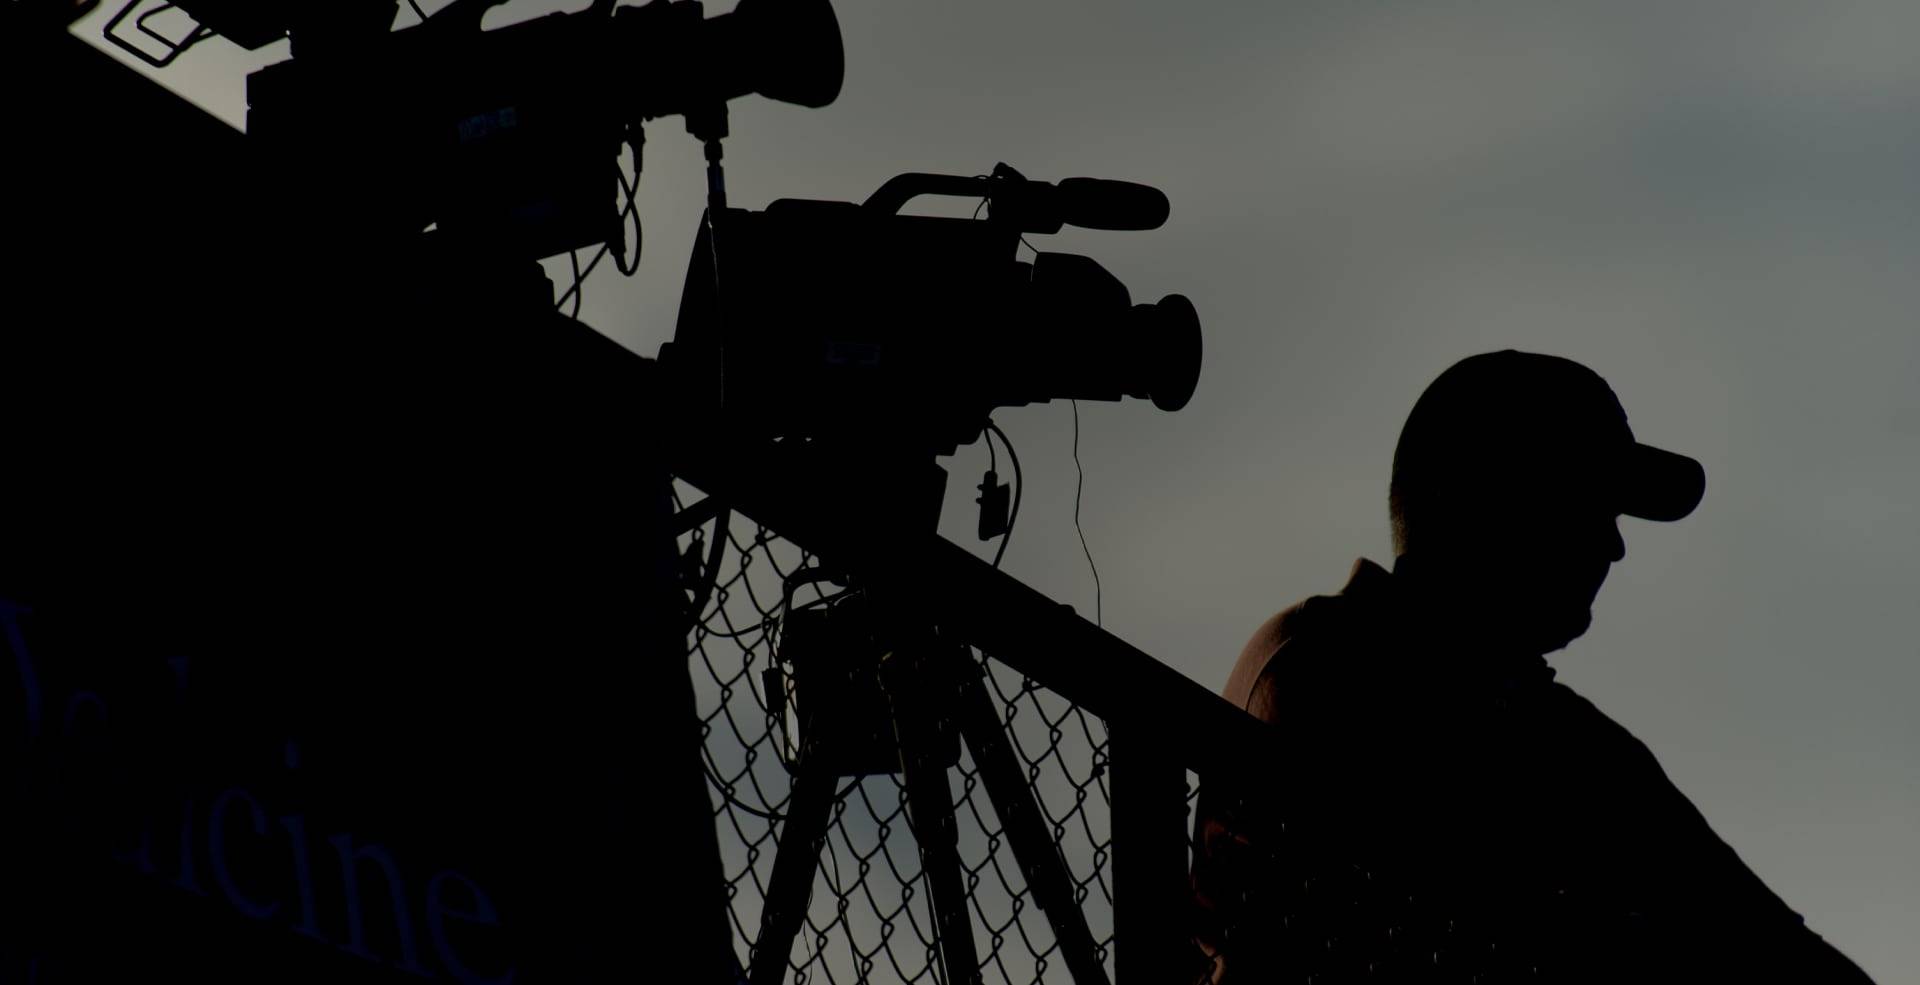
793,868
696,514
987,607
1033,847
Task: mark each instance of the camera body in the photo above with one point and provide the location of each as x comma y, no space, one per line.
819,319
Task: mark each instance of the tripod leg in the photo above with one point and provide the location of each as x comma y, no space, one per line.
930,814
1033,845
1149,862
793,869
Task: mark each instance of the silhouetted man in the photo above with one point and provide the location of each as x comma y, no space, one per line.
1446,811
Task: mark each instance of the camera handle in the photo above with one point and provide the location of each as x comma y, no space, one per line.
1033,206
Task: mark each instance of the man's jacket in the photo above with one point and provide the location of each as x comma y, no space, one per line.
1463,816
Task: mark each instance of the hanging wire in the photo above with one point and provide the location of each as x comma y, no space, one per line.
580,278
630,212
174,49
1019,483
984,199
573,257
1078,485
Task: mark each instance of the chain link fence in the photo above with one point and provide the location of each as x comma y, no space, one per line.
869,917
868,914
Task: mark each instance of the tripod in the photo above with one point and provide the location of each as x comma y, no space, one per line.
902,708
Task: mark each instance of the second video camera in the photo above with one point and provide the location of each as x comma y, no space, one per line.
833,319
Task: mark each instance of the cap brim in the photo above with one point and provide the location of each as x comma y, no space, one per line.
1660,485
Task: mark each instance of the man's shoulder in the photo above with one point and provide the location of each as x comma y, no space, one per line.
1259,653
1314,637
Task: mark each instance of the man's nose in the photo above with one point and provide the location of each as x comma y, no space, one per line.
1616,545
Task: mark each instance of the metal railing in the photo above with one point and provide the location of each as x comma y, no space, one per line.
1060,853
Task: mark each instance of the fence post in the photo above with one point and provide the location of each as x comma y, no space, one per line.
1149,804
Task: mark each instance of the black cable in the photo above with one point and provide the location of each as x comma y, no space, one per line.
734,634
584,274
716,204
1077,486
417,12
630,264
573,257
984,199
174,49
993,460
704,590
779,624
1019,483
140,23
766,815
632,211
826,600
726,794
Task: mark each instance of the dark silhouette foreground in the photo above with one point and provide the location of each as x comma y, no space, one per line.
1462,814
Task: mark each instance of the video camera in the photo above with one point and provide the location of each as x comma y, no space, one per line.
506,139
817,319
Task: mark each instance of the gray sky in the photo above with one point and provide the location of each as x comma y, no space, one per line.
1712,204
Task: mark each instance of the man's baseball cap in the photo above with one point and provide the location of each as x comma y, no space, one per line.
1525,414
